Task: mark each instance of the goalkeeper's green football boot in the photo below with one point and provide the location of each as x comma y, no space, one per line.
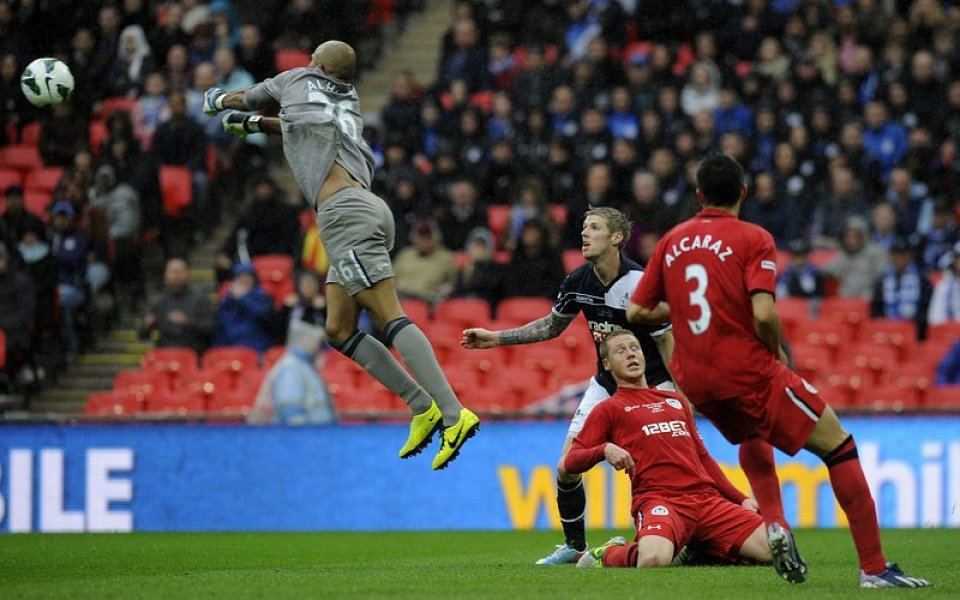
452,438
593,557
422,427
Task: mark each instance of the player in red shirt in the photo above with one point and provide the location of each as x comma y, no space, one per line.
680,495
718,275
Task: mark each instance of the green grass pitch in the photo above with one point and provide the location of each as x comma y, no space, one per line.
418,565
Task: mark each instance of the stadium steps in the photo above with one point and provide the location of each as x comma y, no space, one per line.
121,348
417,50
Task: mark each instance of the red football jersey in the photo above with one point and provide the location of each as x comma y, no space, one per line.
658,431
706,269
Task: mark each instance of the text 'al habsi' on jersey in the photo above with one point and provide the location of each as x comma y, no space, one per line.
321,122
605,308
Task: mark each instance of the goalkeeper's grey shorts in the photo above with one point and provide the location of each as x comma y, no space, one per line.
357,231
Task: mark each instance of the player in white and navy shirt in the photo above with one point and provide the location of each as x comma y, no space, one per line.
601,289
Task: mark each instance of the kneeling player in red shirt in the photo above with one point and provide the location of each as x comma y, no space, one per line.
680,495
718,274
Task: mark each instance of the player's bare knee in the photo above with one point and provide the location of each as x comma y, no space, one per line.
338,333
651,559
827,435
565,477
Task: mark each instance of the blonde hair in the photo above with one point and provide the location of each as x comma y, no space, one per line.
615,220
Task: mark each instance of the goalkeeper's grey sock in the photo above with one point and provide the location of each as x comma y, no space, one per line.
572,504
418,355
373,356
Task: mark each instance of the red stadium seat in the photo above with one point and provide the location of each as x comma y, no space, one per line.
575,372
10,177
944,332
506,392
463,312
177,403
341,378
571,260
930,353
272,355
236,403
879,360
889,399
207,383
809,360
30,134
463,380
370,402
172,358
290,58
498,219
838,396
543,357
231,359
417,311
20,157
250,381
853,311
45,179
140,384
914,376
833,336
792,311
522,310
444,335
853,380
943,398
176,187
173,362
37,202
275,272
487,361
111,105
900,335
112,404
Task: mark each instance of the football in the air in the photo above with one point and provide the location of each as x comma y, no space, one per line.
47,82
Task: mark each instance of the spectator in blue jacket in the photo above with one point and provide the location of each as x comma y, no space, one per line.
245,313
74,254
885,141
732,114
801,279
948,371
903,292
778,214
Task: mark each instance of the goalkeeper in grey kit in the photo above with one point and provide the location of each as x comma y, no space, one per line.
321,126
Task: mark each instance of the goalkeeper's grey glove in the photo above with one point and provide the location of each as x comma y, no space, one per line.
213,101
240,124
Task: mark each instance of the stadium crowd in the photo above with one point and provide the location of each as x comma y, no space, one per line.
131,162
845,113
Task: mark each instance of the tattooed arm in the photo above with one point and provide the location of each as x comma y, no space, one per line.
540,330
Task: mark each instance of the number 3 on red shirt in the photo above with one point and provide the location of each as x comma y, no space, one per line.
697,298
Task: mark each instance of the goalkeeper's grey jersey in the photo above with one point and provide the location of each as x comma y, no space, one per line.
321,123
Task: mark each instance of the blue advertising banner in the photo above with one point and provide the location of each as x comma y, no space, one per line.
348,477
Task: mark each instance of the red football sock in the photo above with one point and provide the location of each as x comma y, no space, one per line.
756,460
851,489
621,556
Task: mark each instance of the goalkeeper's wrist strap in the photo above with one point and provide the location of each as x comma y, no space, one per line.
218,101
251,124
